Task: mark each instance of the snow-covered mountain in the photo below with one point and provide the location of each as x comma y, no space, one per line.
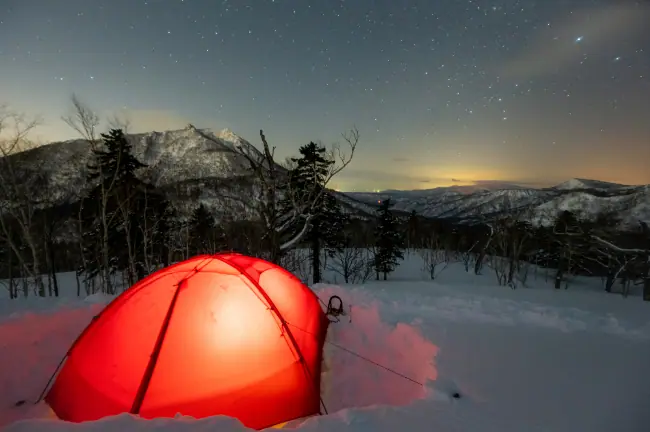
586,198
172,157
195,160
586,184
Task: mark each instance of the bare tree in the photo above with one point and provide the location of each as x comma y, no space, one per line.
20,178
434,253
297,262
86,123
270,187
466,255
621,261
354,264
483,250
498,250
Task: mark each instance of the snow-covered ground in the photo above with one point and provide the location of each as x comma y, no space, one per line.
531,359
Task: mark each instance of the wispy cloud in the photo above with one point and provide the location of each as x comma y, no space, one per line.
562,44
380,176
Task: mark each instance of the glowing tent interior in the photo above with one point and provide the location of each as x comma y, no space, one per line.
223,334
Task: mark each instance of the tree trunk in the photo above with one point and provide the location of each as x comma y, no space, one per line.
558,276
315,260
52,265
646,289
479,262
13,289
512,266
609,282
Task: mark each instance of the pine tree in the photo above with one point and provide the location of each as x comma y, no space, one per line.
205,235
117,162
389,241
119,201
307,181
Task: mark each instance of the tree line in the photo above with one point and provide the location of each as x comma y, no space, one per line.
121,228
510,246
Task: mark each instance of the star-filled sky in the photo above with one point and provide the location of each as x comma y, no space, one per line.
443,92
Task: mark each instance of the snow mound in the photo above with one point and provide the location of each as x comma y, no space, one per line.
31,345
370,361
127,422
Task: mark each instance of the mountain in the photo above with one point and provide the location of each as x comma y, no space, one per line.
192,164
175,157
585,184
586,198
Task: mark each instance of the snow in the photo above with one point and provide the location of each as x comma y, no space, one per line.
578,183
531,359
586,198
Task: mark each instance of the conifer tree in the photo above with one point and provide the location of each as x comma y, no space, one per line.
307,183
205,235
413,228
121,200
389,241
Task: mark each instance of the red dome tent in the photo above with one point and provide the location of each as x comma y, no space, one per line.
216,334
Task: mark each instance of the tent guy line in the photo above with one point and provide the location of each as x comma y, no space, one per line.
342,348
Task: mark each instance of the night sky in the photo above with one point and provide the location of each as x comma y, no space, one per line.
442,92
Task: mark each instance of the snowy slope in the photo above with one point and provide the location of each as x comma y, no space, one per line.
631,203
577,183
531,359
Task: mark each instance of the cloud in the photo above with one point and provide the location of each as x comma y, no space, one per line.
557,47
400,159
374,179
510,183
382,177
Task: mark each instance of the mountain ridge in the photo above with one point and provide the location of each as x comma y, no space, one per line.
199,159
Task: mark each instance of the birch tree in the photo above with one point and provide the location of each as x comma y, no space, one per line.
86,123
20,178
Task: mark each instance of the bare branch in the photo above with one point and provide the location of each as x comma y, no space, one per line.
84,121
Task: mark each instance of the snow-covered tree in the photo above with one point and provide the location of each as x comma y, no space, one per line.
269,189
307,179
